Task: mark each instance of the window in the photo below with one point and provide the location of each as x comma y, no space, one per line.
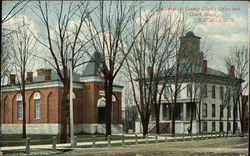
221,127
178,91
167,92
221,110
236,112
213,110
19,107
204,110
213,92
229,111
229,126
189,90
213,126
204,126
37,106
203,90
221,92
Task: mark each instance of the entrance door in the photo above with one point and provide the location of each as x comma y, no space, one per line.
101,115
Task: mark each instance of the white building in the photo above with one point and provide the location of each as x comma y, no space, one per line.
209,89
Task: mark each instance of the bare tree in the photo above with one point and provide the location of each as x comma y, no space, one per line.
5,57
22,48
110,31
10,13
238,61
225,103
152,61
64,40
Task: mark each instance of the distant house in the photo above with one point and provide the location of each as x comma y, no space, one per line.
212,88
44,97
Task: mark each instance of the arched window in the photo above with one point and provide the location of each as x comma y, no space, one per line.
37,105
19,107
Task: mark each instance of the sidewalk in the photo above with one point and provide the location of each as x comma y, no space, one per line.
68,146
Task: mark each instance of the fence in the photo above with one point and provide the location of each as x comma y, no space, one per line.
123,140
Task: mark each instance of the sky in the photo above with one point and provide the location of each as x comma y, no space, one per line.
221,25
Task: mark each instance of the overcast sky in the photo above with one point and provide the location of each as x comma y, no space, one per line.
225,28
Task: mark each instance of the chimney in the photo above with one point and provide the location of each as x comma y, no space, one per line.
48,74
12,79
231,71
40,72
204,66
29,77
150,71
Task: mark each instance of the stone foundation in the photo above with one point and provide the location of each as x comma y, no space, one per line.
54,129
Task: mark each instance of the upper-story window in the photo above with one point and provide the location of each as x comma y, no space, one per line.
221,92
37,105
189,90
204,110
178,91
222,110
203,90
229,111
167,92
213,92
19,107
213,110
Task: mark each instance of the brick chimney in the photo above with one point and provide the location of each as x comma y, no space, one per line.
231,71
48,74
204,66
40,72
12,79
29,77
150,71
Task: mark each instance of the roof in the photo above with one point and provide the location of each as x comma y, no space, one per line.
197,69
54,76
92,67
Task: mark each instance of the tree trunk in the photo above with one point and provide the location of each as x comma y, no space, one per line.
199,117
243,130
220,121
145,127
24,110
191,118
157,118
173,118
228,119
234,117
64,112
108,96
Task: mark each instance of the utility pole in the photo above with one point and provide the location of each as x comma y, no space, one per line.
1,6
71,119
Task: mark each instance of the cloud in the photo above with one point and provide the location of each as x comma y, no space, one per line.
229,38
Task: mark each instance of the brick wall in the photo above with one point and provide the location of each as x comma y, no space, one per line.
85,105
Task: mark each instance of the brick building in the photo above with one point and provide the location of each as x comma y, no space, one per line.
43,102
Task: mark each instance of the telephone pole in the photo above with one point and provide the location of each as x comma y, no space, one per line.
71,119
